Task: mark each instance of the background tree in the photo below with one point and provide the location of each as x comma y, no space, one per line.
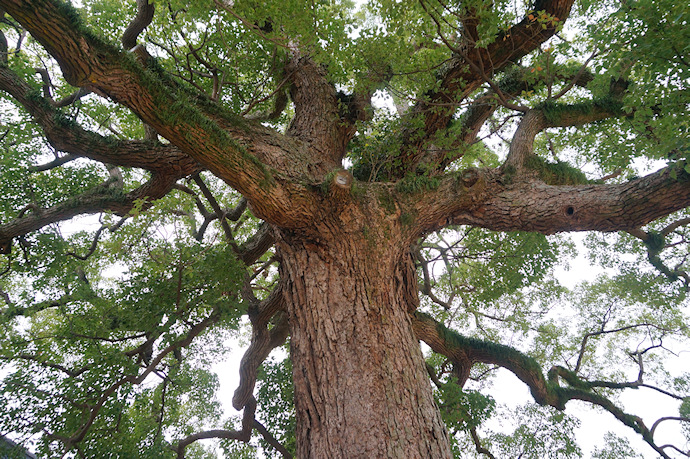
354,180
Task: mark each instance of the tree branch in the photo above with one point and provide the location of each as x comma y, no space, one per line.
257,245
188,120
263,342
488,199
65,135
655,243
320,112
468,72
242,435
478,444
144,16
273,441
467,351
513,83
100,199
554,115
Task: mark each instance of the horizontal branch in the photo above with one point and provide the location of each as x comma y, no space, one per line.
243,435
67,136
555,115
100,199
489,199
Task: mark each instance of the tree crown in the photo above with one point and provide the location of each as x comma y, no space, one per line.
464,135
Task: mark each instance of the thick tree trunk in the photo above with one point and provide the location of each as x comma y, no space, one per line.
361,388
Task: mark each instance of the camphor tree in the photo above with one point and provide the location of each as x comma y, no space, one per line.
352,179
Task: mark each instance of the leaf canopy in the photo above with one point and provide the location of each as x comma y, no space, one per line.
111,324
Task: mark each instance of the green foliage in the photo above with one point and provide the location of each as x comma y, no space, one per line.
372,153
555,439
463,409
615,448
643,41
85,307
276,405
78,330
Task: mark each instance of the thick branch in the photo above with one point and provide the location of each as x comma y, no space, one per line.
510,86
553,115
467,72
144,16
463,351
187,120
483,198
321,114
98,200
263,342
65,135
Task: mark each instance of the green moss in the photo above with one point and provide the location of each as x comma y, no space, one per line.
369,237
407,218
499,352
63,121
568,376
655,243
411,184
71,14
386,201
178,103
554,112
357,191
558,173
77,23
185,111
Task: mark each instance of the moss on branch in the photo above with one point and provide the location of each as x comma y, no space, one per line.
453,345
558,114
413,183
558,173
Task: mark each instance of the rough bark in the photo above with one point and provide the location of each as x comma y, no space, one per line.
240,152
505,202
361,389
347,280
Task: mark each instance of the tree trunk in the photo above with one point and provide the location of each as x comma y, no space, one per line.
361,388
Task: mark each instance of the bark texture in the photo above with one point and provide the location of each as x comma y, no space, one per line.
360,386
348,287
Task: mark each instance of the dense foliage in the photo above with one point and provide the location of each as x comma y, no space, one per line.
111,324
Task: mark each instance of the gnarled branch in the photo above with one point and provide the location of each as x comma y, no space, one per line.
465,352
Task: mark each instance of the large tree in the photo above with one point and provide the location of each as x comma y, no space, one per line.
353,179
